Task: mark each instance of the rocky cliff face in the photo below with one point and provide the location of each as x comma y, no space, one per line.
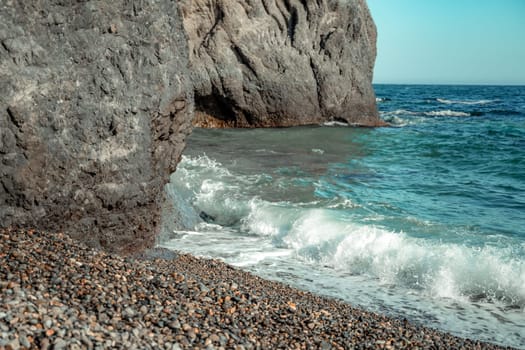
96,98
281,62
95,104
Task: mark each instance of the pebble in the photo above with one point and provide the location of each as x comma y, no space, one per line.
24,341
44,344
59,344
13,345
85,340
129,312
80,298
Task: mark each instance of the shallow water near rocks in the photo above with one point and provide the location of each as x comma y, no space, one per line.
424,220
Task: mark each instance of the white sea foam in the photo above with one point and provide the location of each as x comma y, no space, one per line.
342,203
446,113
264,150
466,102
252,258
438,113
401,112
440,270
335,123
265,220
314,228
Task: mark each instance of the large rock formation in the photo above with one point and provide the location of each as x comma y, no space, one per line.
96,98
281,62
95,104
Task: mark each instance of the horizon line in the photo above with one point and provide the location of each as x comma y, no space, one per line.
451,84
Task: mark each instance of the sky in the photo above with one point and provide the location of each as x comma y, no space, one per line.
450,41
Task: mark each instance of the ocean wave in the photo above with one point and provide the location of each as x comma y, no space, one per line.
327,236
383,99
439,270
446,113
393,116
335,123
400,112
208,187
465,102
437,113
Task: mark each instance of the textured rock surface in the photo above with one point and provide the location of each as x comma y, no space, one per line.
281,62
95,97
95,104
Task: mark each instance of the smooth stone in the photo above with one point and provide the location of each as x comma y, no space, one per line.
24,341
59,344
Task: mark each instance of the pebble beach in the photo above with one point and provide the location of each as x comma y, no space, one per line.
56,293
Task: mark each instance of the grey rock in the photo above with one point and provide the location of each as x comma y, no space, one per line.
44,344
128,312
95,105
96,98
13,345
59,344
270,63
86,342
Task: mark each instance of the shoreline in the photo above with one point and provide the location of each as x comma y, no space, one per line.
57,292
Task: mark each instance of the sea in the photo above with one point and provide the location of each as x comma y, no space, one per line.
423,220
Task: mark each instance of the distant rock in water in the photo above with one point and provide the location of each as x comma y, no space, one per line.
95,104
206,217
267,63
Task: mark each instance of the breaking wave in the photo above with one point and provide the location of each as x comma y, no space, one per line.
466,102
321,233
447,113
398,117
437,113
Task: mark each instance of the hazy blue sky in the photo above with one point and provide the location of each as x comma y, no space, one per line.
450,41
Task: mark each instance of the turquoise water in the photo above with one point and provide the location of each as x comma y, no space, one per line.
423,220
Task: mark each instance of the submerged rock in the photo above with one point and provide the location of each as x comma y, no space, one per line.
95,104
206,217
265,63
